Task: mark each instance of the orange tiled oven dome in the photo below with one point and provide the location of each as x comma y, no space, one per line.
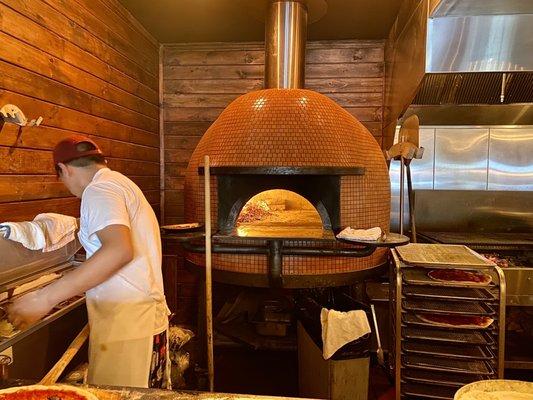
301,130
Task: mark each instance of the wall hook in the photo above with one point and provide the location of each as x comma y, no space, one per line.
11,114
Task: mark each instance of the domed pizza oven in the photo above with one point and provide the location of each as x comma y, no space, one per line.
289,167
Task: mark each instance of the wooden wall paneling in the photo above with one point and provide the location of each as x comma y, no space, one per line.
52,20
240,86
370,70
162,143
14,188
211,86
15,52
45,138
76,121
25,30
86,68
133,27
31,84
98,25
314,55
317,52
195,128
29,161
345,85
27,210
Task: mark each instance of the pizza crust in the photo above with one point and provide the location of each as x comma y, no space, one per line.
496,389
82,392
488,322
487,279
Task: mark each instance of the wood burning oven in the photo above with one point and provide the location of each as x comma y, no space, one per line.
320,186
303,142
296,140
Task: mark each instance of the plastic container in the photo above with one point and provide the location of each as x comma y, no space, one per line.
308,313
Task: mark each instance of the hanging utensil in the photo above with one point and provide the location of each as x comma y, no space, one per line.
405,150
379,352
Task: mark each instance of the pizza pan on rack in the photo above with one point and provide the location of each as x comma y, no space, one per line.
413,319
448,307
448,293
447,350
481,338
414,276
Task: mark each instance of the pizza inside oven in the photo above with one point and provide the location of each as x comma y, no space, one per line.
456,321
38,392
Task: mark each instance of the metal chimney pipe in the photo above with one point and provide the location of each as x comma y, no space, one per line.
285,38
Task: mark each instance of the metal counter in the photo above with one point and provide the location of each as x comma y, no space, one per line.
104,393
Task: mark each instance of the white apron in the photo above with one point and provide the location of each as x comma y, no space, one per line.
129,308
121,337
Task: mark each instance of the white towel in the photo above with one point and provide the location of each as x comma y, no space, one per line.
47,232
360,234
59,230
339,328
29,234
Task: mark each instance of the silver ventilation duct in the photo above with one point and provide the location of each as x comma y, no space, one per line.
461,53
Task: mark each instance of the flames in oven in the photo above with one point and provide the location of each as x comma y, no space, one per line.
279,213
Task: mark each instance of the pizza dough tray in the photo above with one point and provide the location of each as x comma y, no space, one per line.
448,307
413,319
417,276
448,351
479,367
425,391
440,378
448,293
442,256
479,338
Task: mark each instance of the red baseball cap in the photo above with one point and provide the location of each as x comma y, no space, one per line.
67,149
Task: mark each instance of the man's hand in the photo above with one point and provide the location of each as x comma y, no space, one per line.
28,309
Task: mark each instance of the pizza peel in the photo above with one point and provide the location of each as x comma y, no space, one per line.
51,377
406,150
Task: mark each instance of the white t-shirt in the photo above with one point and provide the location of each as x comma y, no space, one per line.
113,199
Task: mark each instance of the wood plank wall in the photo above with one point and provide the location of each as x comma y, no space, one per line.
200,80
85,66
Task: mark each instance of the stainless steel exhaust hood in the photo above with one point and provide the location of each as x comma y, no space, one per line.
460,52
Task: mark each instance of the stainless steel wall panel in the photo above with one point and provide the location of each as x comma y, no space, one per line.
461,158
473,211
496,158
511,159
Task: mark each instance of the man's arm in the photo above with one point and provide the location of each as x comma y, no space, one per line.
115,253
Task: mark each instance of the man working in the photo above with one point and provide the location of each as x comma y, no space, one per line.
121,278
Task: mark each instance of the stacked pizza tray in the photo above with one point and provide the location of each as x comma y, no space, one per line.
448,317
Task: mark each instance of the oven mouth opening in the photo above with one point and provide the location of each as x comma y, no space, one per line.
279,213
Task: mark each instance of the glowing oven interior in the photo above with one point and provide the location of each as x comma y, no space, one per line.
279,213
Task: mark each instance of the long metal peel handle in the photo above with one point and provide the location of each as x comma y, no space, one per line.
375,325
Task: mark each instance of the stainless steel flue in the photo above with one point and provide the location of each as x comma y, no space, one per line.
285,38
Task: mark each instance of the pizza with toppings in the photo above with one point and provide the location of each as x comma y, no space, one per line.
40,392
457,321
459,276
